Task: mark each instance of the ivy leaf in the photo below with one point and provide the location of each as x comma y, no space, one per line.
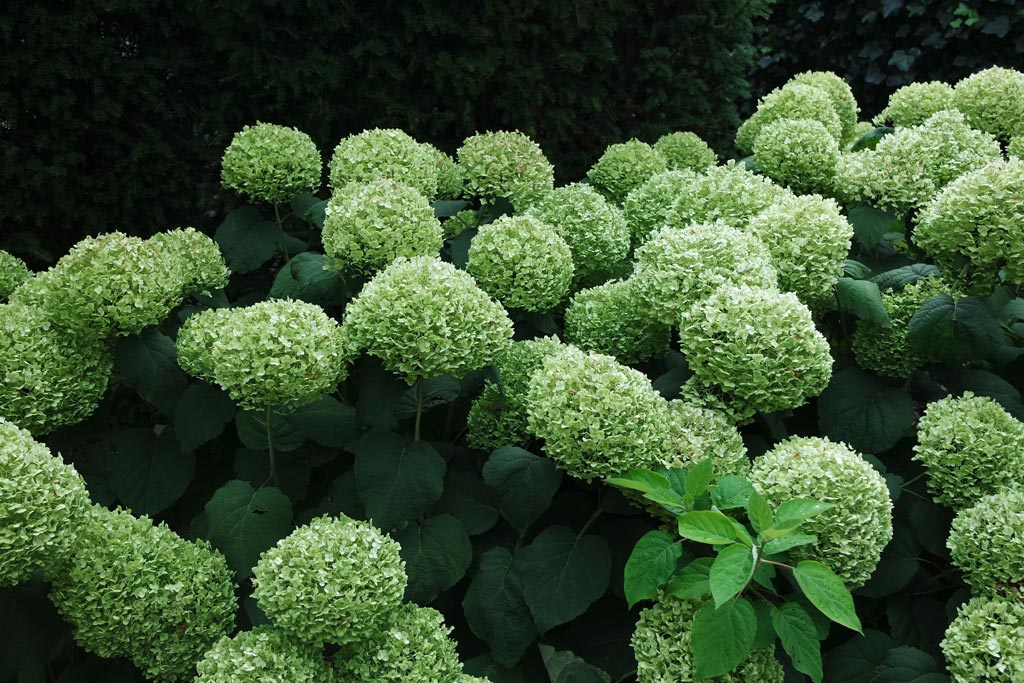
327,421
731,572
563,574
721,637
692,581
650,565
524,483
306,278
828,593
863,299
863,410
799,639
201,414
243,522
397,480
147,471
148,363
871,224
496,608
709,526
731,492
437,554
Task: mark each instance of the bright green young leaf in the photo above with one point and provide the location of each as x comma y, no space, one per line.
397,480
793,512
828,593
639,480
759,512
668,498
731,572
496,608
731,492
698,478
650,565
524,483
721,638
437,554
243,522
147,471
865,411
799,639
693,580
764,576
201,414
709,526
788,542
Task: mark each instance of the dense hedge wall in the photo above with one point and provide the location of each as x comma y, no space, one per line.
113,115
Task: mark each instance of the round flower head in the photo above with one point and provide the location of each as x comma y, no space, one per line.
842,98
466,678
192,260
684,150
598,418
13,272
758,346
853,533
595,231
42,504
887,350
970,447
791,101
449,175
808,238
522,262
624,167
423,318
647,207
1016,146
974,228
414,648
914,104
506,165
48,378
277,353
680,267
609,319
993,101
269,163
498,417
367,226
987,542
985,641
262,655
798,153
384,153
694,433
664,653
909,167
463,220
334,580
135,590
729,193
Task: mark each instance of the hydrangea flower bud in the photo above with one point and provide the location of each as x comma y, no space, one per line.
423,318
985,641
684,150
521,262
829,472
993,101
791,101
624,167
384,153
505,164
915,103
842,98
729,193
13,272
970,447
798,153
262,655
270,163
986,541
610,319
647,207
137,590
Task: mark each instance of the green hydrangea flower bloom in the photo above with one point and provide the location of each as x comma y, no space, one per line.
974,228
137,590
758,346
647,207
791,101
598,418
505,164
191,260
986,542
706,395
334,580
466,678
449,175
423,318
13,272
463,220
909,167
985,641
595,231
42,504
915,103
277,353
270,163
661,643
384,153
366,227
842,98
677,268
415,648
808,238
728,193
1016,147
262,655
971,447
48,378
887,350
684,150
498,417
522,262
798,153
609,319
993,101
624,167
829,472
695,433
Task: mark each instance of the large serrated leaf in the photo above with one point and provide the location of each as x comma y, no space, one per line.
523,482
864,410
436,553
496,608
243,522
397,480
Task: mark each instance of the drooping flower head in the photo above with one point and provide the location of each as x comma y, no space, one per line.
915,103
684,150
984,642
986,542
270,163
13,272
993,101
799,154
505,164
791,101
610,319
262,655
624,167
384,153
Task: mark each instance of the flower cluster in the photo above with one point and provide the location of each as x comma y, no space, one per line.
192,261
986,541
624,167
970,447
915,103
647,207
1016,146
262,655
384,153
791,101
449,175
367,226
694,433
798,153
270,163
13,272
522,262
839,91
138,590
684,150
423,318
985,641
505,164
609,319
728,193
828,472
993,101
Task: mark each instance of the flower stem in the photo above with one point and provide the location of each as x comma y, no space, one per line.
419,408
270,449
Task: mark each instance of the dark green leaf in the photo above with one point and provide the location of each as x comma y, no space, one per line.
731,572
897,567
201,414
856,660
799,639
460,247
244,522
252,431
246,240
861,409
496,608
446,208
863,299
327,421
437,554
692,581
856,269
306,278
397,480
524,483
828,593
985,383
148,363
871,224
467,498
899,278
765,636
436,391
731,492
147,471
341,498
650,565
721,638
909,665
34,630
871,138
565,667
956,331
292,475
